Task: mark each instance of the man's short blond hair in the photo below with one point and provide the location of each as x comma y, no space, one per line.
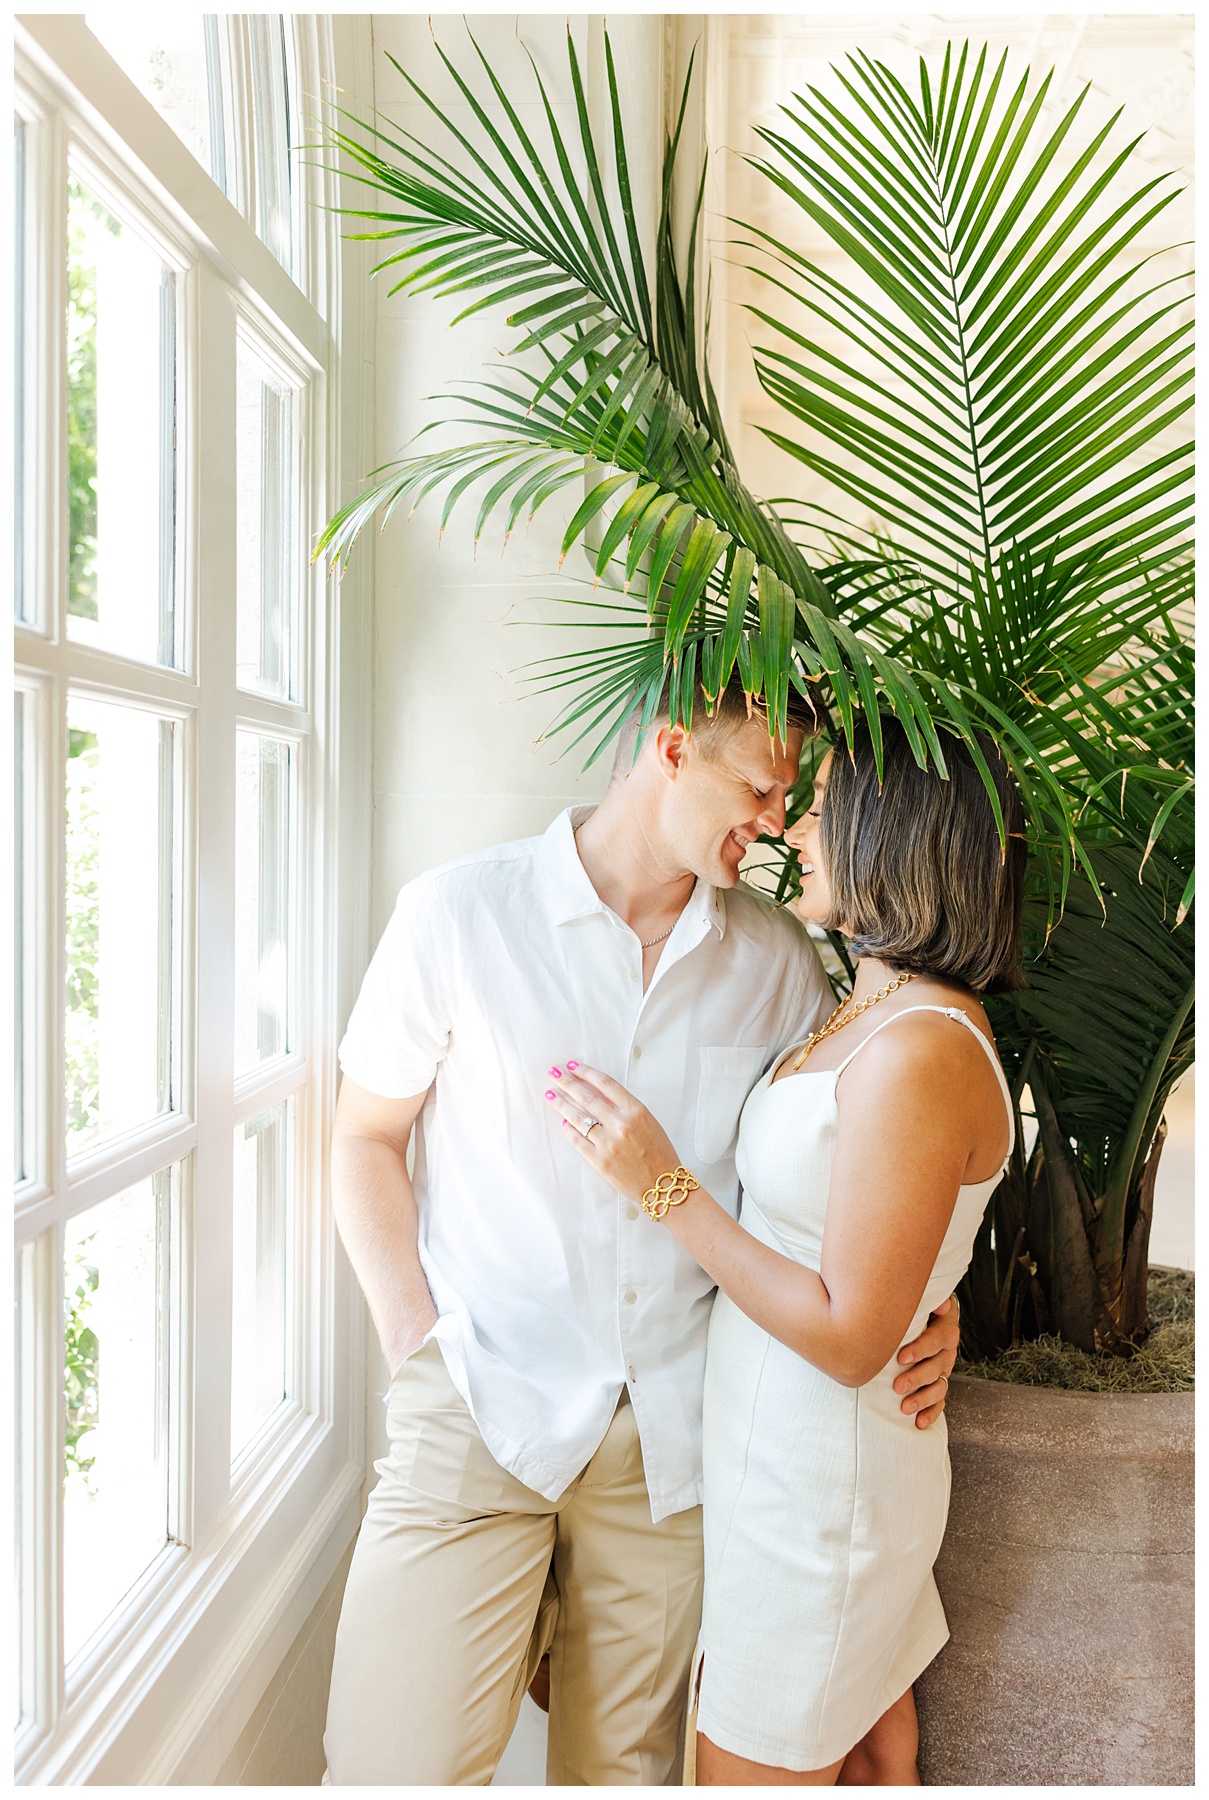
712,725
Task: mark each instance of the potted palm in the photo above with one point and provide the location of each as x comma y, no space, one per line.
992,396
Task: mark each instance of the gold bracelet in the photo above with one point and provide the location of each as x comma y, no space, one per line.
672,1189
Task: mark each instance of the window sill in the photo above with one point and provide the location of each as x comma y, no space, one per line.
162,1691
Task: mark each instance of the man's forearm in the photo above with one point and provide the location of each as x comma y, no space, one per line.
376,1215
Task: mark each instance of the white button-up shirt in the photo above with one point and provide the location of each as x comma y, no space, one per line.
552,1290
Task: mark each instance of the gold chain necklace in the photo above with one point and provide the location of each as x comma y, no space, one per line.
835,1023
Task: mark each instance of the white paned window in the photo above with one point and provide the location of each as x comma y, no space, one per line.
225,82
266,554
20,349
260,1272
264,886
120,932
269,61
172,55
117,1420
187,1348
24,751
121,433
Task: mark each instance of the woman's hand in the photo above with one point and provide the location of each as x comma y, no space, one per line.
610,1129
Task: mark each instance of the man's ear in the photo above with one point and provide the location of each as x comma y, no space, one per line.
671,750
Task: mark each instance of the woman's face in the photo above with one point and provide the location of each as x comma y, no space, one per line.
814,901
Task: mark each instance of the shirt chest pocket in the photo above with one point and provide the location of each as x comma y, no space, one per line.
728,1074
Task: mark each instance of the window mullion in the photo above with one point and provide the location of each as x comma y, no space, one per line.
212,493
303,31
39,1264
45,373
52,1001
240,136
170,630
40,1494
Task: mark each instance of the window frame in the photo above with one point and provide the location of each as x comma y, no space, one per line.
159,1690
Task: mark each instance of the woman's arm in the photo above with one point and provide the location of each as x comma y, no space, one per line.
907,1127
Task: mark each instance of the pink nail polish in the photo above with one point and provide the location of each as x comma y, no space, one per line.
573,1065
550,1094
557,1073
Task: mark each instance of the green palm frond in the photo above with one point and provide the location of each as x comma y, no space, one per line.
611,379
1011,377
605,387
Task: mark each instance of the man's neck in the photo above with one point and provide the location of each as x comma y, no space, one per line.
629,867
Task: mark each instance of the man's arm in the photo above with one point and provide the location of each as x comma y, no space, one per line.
376,1215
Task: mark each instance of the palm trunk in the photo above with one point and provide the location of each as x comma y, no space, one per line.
1131,1315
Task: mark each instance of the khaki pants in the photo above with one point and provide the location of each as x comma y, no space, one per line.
463,1577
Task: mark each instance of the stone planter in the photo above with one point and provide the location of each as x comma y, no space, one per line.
1066,1574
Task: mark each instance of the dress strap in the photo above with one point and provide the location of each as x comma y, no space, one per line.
951,1012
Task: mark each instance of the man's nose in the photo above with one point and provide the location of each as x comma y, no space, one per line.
772,819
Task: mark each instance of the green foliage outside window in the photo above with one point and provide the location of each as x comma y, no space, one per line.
82,402
82,1022
81,1365
82,1028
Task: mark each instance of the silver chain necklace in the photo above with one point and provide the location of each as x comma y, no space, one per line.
651,942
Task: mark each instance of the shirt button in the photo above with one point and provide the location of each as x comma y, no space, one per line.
629,1296
631,1212
633,974
636,1052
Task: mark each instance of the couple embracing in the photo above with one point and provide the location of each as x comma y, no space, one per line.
667,1293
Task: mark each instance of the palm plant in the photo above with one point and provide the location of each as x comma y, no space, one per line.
988,396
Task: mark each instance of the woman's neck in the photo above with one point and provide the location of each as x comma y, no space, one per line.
871,974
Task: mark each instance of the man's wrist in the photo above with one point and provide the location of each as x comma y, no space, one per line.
409,1333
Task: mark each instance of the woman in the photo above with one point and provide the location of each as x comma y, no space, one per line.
867,1156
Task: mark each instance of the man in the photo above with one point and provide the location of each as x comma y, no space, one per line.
543,1487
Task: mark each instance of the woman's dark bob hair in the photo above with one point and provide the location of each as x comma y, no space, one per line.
917,873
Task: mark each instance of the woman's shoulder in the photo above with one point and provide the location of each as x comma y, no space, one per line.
923,1039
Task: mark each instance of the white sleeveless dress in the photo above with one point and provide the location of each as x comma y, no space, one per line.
824,1505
